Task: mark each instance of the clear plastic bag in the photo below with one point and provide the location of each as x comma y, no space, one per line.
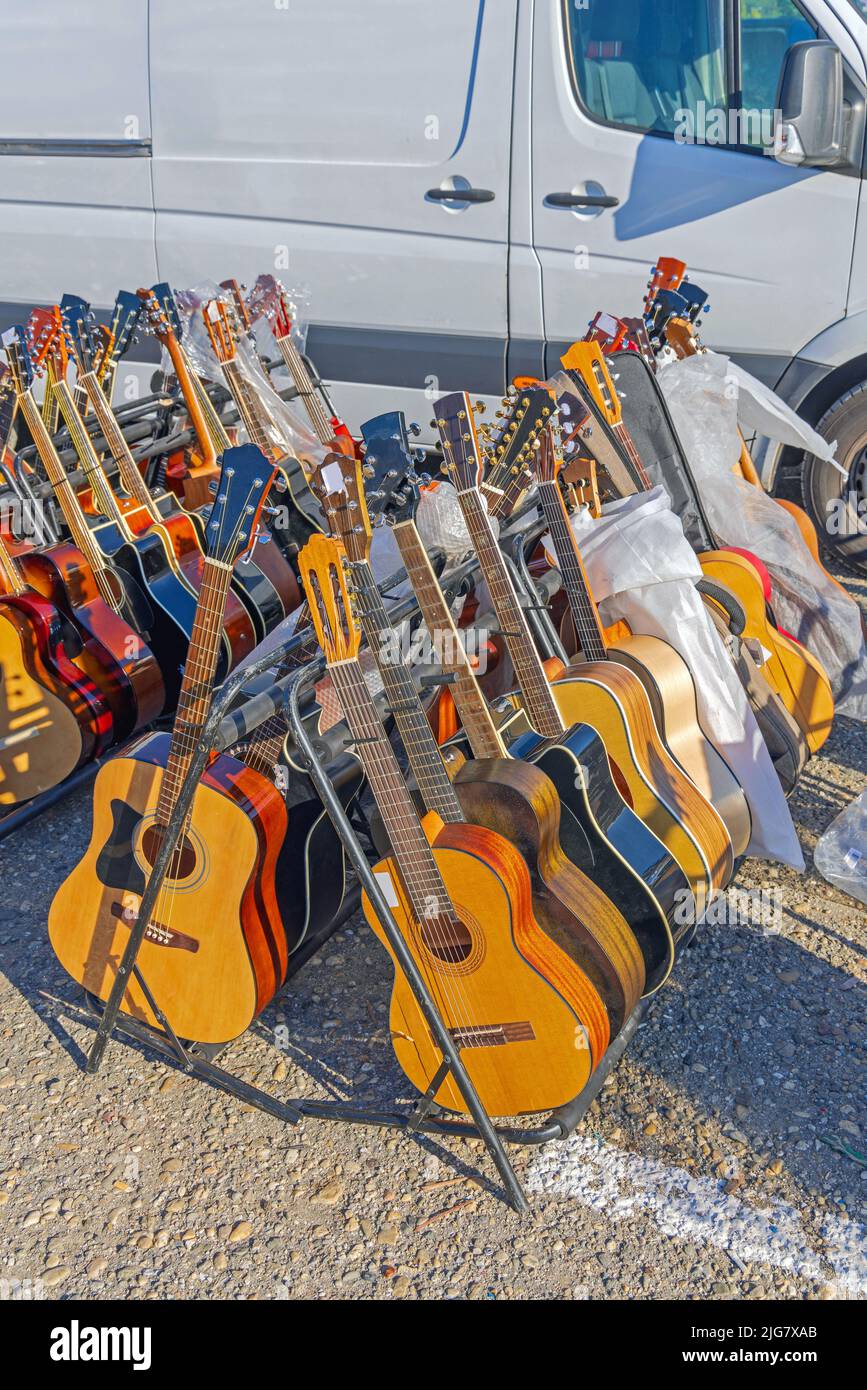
841,854
703,395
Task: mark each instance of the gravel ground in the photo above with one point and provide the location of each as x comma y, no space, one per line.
701,1171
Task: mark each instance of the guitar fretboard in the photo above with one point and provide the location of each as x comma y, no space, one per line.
538,698
581,605
322,426
472,706
118,447
424,756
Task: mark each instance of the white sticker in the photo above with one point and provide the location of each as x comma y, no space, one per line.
853,858
389,891
766,655
332,477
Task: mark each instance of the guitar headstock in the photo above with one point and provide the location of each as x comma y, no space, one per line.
20,363
80,328
46,341
393,486
322,565
159,312
337,482
233,522
667,274
462,455
222,330
242,314
268,299
696,298
510,453
549,456
681,337
639,341
585,362
668,305
609,332
122,328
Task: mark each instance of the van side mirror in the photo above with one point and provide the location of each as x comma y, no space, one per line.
809,130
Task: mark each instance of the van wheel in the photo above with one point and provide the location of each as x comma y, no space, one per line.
838,505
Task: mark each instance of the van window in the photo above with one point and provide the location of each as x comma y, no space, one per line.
666,67
640,65
768,30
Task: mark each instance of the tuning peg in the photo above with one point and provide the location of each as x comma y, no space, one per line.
414,429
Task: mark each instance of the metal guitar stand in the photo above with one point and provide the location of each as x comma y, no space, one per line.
224,727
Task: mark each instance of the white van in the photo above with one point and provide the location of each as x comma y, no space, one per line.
457,184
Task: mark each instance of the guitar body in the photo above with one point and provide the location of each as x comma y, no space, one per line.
150,562
797,677
51,718
530,1024
115,658
604,838
215,953
613,701
671,690
298,515
520,804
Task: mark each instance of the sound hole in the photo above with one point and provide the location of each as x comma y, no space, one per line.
183,860
447,940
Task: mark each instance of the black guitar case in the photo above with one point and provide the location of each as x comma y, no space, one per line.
649,421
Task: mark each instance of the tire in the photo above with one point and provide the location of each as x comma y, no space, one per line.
841,527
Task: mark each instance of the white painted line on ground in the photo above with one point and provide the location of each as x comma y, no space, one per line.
620,1184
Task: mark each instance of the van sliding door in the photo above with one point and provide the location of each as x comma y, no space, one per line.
359,151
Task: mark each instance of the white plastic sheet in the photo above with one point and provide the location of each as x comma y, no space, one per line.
841,853
703,395
643,571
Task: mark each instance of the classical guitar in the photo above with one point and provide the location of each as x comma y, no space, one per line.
214,953
569,909
52,717
604,695
303,518
529,1024
796,676
265,582
269,299
101,602
594,830
661,670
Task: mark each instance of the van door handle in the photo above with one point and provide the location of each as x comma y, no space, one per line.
582,200
461,195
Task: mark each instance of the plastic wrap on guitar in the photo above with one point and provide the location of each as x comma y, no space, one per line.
703,397
841,853
643,571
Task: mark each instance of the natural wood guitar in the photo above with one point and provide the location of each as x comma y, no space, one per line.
214,953
529,1024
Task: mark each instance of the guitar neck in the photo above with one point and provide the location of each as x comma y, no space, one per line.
424,756
66,498
297,367
642,477
254,415
538,698
87,457
210,443
421,879
127,467
197,685
50,409
476,717
581,604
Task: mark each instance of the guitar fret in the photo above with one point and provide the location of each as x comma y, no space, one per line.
581,604
118,447
300,376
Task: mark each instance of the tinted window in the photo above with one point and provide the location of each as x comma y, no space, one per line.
638,64
768,30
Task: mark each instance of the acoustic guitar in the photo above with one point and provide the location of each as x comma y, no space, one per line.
303,519
530,1026
794,673
269,299
661,670
52,717
518,803
105,606
215,952
605,696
